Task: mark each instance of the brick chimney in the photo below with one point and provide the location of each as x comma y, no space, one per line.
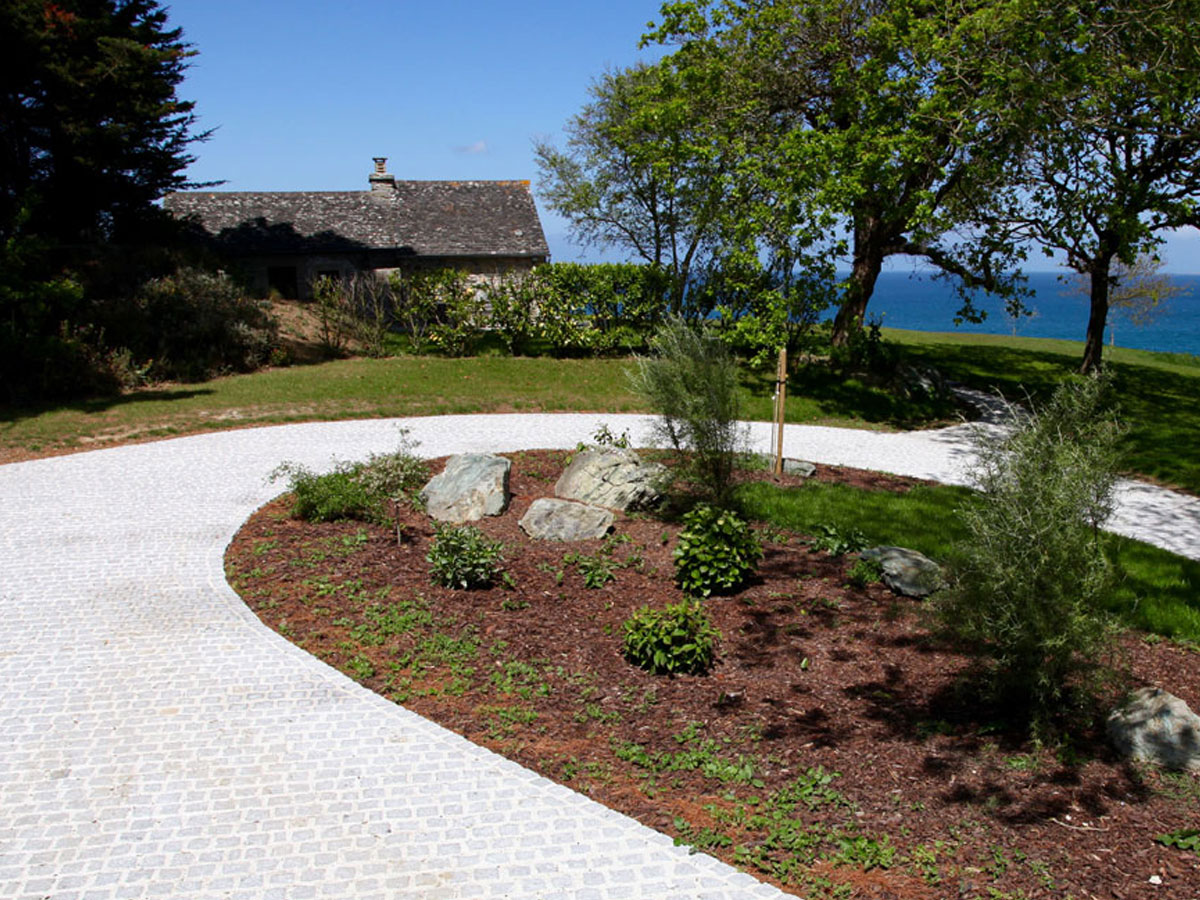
380,180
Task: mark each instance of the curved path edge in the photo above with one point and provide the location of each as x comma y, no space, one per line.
158,740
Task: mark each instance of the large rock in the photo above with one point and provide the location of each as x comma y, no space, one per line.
472,486
1157,727
614,478
562,520
906,571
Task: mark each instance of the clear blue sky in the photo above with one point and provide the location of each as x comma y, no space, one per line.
301,95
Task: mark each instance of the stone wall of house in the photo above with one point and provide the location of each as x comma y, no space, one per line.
293,276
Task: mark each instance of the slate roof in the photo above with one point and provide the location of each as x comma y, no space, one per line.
425,218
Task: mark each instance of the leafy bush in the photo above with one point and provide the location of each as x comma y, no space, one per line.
464,558
1030,581
515,311
394,475
837,541
717,552
866,350
692,383
190,326
678,638
326,497
457,309
356,490
864,572
620,302
414,302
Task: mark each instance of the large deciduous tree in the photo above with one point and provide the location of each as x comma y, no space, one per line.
642,169
894,116
1116,162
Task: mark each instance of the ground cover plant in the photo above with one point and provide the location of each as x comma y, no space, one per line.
829,748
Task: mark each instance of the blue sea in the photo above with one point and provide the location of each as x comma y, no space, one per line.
918,302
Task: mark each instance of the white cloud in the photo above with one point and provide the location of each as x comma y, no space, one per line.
473,149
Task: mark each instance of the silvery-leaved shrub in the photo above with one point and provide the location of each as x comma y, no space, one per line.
1030,582
692,382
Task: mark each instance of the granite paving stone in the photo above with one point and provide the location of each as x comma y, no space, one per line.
158,740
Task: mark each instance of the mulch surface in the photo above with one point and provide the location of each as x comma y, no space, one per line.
934,796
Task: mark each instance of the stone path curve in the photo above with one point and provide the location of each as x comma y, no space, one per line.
157,740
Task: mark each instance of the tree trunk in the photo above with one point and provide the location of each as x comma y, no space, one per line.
868,260
1098,294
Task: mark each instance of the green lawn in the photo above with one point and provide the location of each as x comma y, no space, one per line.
353,388
1158,393
1159,396
1156,591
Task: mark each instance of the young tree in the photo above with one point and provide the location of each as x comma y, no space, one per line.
692,382
641,170
891,117
1032,577
1116,161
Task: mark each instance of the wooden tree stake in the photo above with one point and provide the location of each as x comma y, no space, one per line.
780,408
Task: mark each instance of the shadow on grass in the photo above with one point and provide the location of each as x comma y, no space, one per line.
835,395
1161,408
12,414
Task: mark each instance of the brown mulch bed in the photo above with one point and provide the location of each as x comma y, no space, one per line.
934,796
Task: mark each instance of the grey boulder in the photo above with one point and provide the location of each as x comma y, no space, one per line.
614,478
473,485
906,571
561,520
1157,727
799,467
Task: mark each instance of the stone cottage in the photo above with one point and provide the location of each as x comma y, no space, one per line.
285,240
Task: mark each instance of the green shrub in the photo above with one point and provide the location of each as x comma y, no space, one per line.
457,308
362,491
864,572
327,497
395,475
1030,582
678,638
716,553
189,326
838,541
621,303
692,383
515,302
414,302
464,558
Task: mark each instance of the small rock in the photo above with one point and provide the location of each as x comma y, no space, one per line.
561,520
473,485
799,467
614,478
906,571
1157,727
